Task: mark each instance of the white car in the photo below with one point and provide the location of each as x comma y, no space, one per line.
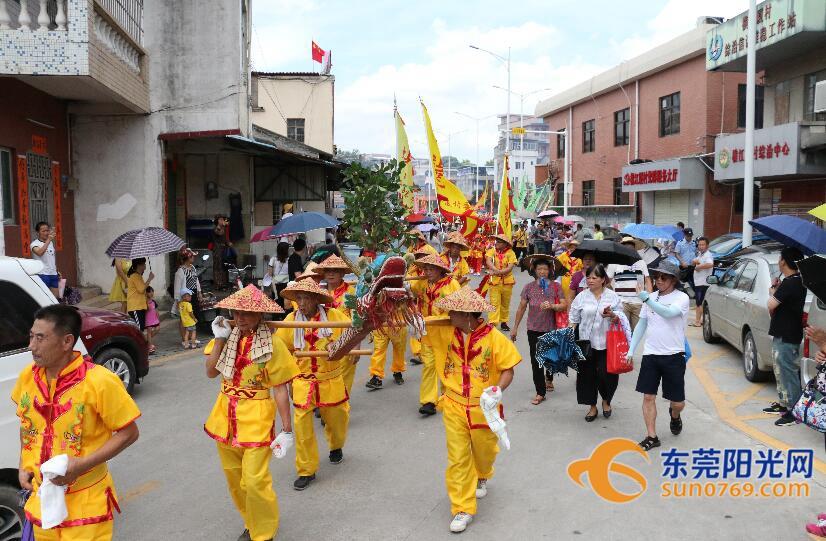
21,292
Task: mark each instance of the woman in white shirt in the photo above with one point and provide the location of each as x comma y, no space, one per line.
592,312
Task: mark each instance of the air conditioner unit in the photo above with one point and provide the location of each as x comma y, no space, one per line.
820,97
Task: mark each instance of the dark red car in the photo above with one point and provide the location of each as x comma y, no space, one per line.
114,340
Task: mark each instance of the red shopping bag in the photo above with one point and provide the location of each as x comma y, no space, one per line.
560,318
617,350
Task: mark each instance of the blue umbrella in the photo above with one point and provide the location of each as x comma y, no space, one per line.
647,231
793,231
675,232
303,222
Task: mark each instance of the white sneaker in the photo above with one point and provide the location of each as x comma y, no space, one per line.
460,522
481,488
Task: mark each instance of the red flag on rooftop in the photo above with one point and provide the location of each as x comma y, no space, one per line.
318,53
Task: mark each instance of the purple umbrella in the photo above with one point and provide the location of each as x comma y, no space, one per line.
145,242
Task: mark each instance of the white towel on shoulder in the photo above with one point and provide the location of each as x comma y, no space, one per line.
298,335
53,497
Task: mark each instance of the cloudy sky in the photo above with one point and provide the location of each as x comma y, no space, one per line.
421,48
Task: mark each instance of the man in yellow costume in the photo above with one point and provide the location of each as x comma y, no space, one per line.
573,264
68,405
419,250
319,383
455,244
439,284
471,359
500,261
250,362
334,269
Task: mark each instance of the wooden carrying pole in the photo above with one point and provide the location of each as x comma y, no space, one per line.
327,353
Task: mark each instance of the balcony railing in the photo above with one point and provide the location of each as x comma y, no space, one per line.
128,14
33,15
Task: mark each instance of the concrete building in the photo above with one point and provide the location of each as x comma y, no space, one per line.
472,179
790,118
526,152
298,105
641,134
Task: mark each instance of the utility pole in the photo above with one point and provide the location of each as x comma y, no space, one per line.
748,177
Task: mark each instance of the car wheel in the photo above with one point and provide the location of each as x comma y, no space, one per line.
708,333
750,367
11,514
119,362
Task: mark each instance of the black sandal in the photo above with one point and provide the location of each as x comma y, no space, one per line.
676,423
649,443
591,418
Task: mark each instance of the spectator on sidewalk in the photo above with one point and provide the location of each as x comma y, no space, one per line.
43,250
628,280
703,268
295,263
136,293
664,316
186,277
538,239
598,234
188,320
118,291
153,321
786,303
686,251
580,233
279,270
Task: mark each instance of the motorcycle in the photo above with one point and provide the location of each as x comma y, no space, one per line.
240,278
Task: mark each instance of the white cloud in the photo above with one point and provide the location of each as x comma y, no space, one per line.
278,25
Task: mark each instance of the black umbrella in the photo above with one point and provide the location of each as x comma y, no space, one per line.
608,252
813,273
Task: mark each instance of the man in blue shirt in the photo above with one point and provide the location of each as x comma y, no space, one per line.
686,252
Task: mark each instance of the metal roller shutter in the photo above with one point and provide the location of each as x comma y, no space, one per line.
670,207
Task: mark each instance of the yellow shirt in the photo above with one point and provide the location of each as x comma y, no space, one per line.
338,297
502,260
244,412
75,415
319,381
520,239
187,315
136,292
469,364
459,269
429,293
574,265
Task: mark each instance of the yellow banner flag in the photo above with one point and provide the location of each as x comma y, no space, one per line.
403,156
452,202
505,203
480,203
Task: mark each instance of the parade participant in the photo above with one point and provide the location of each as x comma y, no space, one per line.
455,244
476,255
574,264
319,383
664,314
520,241
398,337
250,362
438,285
420,243
541,298
68,405
500,261
591,314
416,272
334,268
470,358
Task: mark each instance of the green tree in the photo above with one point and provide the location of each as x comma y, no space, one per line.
348,156
373,210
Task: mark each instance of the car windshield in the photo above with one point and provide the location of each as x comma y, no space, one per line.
724,245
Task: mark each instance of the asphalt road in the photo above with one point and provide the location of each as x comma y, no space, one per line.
391,483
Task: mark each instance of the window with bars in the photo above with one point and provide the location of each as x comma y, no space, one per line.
7,186
758,106
622,127
809,97
295,129
560,144
670,114
620,197
588,193
588,136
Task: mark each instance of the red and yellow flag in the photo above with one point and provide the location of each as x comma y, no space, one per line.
504,225
452,202
480,203
403,156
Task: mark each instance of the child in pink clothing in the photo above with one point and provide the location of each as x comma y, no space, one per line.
153,322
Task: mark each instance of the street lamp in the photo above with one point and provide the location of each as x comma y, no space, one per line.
477,119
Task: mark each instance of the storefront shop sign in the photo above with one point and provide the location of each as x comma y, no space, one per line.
675,174
776,152
776,20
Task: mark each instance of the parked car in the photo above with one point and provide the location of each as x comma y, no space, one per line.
728,244
114,341
735,310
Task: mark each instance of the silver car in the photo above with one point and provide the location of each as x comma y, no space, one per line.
735,310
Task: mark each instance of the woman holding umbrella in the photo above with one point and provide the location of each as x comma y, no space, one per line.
136,294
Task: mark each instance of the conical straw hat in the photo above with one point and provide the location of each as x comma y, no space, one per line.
458,239
306,286
333,262
424,251
433,260
250,299
464,300
502,237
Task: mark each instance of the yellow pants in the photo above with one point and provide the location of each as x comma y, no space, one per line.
415,346
429,386
470,457
250,484
90,532
348,372
381,343
335,419
500,298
